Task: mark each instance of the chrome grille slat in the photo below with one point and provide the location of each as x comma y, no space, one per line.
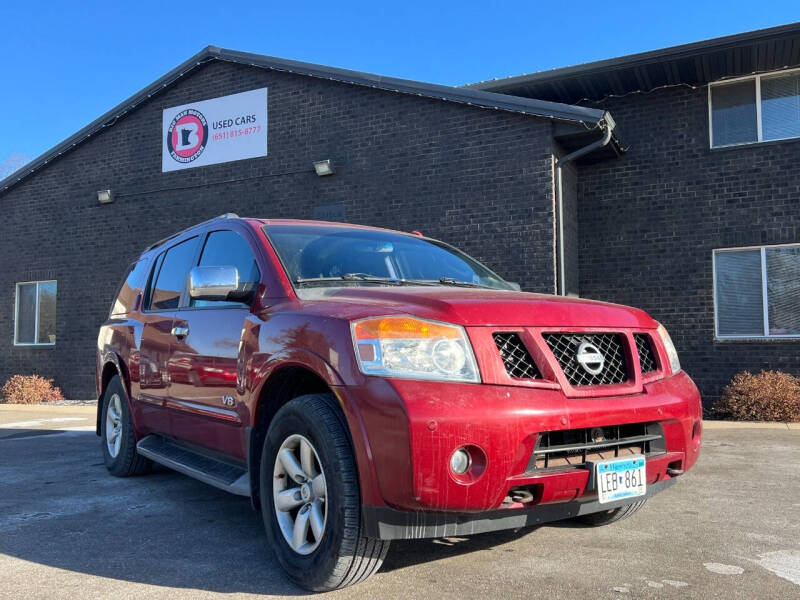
565,345
516,358
644,347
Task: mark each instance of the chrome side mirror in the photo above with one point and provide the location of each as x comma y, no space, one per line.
213,283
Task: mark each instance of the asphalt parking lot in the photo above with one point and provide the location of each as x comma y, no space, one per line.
729,529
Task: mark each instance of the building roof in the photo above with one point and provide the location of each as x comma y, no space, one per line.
589,117
692,64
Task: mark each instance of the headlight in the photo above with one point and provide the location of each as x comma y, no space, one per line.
406,346
674,363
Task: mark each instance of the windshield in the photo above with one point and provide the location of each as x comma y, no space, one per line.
323,255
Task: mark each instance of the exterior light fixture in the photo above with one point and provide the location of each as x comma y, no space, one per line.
324,167
105,196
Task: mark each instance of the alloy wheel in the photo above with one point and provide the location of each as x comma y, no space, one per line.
300,494
114,425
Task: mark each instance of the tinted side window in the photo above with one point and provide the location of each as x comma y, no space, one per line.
171,278
224,248
131,286
151,280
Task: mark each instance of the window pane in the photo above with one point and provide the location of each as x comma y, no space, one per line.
740,309
26,313
224,248
733,109
151,281
780,107
47,312
783,290
172,277
132,285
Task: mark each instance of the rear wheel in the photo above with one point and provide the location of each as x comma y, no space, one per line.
311,500
118,439
607,517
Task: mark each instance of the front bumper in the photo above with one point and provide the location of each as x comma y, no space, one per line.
410,429
387,523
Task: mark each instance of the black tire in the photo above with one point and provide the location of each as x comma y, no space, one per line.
127,462
607,517
344,555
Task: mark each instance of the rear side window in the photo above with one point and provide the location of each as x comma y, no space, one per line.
130,288
171,277
228,248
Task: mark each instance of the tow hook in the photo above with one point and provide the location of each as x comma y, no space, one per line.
521,495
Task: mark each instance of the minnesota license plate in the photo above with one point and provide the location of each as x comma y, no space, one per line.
619,479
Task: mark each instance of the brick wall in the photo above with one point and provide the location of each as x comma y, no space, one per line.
476,178
649,221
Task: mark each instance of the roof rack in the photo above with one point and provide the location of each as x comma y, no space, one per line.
182,231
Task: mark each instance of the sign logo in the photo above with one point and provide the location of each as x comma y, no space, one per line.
187,135
590,358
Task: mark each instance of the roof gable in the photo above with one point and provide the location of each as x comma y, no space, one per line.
590,117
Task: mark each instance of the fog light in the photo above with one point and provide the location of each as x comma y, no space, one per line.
460,461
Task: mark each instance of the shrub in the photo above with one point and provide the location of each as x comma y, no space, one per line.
29,389
768,396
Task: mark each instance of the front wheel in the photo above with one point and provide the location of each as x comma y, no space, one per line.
310,497
607,517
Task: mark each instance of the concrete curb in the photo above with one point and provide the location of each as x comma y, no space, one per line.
47,408
91,406
749,425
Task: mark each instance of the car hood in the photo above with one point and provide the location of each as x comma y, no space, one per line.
474,307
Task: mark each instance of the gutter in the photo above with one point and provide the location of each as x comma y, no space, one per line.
607,125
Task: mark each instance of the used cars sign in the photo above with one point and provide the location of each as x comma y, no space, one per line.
215,131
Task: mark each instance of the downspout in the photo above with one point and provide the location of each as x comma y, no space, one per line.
607,125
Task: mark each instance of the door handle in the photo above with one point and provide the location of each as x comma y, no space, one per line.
180,332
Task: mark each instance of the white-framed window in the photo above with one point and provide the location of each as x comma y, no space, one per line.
757,292
760,108
35,313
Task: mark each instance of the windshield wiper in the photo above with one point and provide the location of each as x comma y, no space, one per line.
458,283
367,278
347,277
359,277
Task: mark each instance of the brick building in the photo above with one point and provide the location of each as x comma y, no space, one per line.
698,221
600,180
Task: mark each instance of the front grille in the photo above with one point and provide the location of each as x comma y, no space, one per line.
516,358
575,447
565,348
645,349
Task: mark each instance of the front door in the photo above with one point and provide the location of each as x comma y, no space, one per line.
205,402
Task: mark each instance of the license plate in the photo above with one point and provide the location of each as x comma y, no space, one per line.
619,479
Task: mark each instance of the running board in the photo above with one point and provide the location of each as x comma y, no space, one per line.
208,469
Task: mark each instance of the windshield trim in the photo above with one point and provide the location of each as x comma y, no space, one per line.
355,283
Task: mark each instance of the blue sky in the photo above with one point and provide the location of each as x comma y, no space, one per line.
66,63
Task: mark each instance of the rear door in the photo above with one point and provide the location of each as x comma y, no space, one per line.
167,282
206,405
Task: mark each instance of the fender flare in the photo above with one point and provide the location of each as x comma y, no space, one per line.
294,357
299,357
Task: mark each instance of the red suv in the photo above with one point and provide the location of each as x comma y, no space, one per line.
361,385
